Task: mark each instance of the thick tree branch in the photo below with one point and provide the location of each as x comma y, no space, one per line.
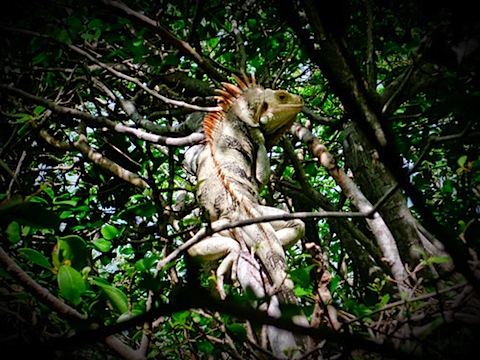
378,227
141,85
416,77
123,350
330,53
320,202
370,61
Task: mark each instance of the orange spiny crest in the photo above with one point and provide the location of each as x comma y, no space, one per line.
232,89
224,94
247,80
225,98
239,81
210,122
224,106
220,99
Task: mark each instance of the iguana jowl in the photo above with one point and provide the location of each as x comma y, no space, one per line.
233,167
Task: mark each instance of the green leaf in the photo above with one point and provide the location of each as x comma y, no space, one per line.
462,160
137,42
205,347
145,265
13,232
22,118
102,245
143,209
65,202
117,298
35,257
385,299
49,191
62,36
71,284
100,281
40,58
127,250
302,275
109,232
238,330
38,110
181,317
438,259
334,282
74,249
171,60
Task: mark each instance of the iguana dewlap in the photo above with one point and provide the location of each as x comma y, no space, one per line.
233,167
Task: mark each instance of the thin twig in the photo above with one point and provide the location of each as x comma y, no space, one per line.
166,35
405,301
119,74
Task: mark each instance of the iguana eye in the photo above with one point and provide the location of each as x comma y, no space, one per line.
265,106
281,97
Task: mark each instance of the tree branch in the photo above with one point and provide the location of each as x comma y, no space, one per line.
107,164
321,120
101,121
378,227
122,349
42,294
141,85
183,46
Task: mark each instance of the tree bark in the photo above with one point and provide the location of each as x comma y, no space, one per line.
375,180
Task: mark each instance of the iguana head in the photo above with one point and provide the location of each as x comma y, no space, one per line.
274,111
279,109
277,113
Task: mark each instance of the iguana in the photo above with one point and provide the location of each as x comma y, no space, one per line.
232,168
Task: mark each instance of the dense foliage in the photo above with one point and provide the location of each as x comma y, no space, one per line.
97,104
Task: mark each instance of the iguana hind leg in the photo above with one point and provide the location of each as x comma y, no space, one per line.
288,232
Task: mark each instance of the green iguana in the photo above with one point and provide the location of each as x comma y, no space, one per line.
231,169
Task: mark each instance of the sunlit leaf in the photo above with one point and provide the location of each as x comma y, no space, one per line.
117,298
181,317
462,160
109,232
71,284
102,245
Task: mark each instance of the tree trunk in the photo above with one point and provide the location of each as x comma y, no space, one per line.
375,180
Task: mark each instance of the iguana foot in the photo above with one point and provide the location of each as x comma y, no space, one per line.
216,247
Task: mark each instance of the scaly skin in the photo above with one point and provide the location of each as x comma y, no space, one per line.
231,170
